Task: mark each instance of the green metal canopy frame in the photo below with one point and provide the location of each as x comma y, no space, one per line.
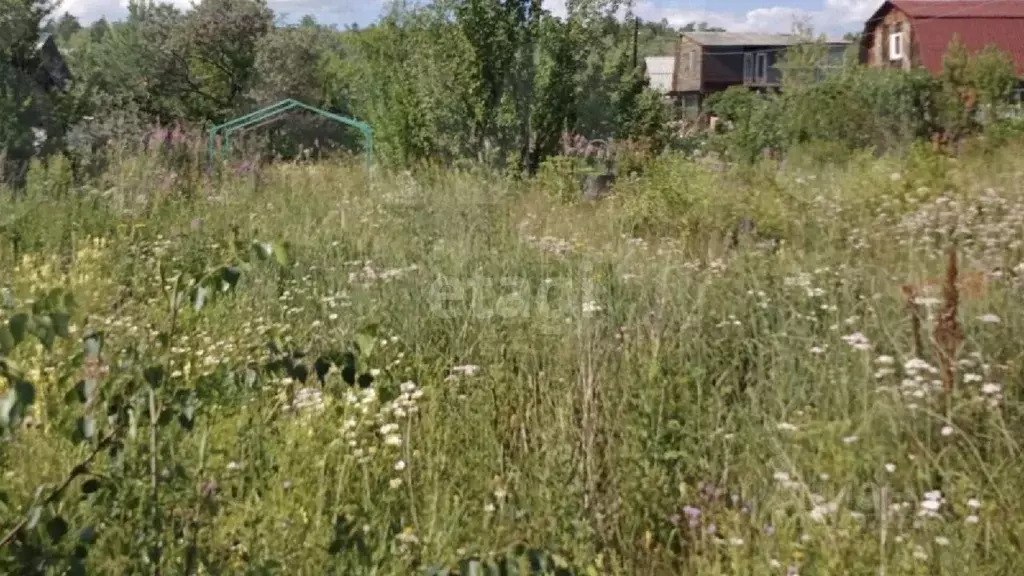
232,126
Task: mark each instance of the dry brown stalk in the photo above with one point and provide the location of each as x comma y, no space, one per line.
948,333
971,285
910,297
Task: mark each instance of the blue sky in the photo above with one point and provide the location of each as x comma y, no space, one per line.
828,16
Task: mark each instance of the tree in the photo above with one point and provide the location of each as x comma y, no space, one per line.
196,66
556,100
24,104
217,42
64,27
98,30
700,27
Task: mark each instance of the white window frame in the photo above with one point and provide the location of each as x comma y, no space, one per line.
761,69
896,45
748,68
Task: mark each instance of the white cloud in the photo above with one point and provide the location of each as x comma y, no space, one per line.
363,11
851,10
833,16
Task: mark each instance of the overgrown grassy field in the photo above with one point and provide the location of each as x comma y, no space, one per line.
610,387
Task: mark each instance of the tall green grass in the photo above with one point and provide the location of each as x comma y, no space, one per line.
610,383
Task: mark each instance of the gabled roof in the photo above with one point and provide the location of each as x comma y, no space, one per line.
959,8
978,23
752,39
742,39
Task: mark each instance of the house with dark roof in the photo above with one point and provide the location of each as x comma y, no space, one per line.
916,33
709,62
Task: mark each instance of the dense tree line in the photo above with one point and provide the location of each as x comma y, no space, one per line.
452,79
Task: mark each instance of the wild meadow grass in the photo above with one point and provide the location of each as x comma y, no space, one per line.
610,383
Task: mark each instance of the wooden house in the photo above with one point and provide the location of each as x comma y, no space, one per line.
909,34
709,62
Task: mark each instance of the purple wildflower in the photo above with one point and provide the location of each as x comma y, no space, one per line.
693,514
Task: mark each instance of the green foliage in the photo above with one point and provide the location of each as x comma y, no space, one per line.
519,561
321,416
48,318
755,123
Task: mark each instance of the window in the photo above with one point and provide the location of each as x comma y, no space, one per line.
896,43
748,68
762,67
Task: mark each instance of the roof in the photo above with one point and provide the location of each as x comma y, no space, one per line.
752,39
660,70
978,23
961,8
742,39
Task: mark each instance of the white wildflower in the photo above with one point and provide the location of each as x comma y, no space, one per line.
857,341
990,388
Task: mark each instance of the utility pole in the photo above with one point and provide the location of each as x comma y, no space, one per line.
636,38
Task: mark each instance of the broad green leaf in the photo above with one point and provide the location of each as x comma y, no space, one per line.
7,342
33,517
18,325
365,344
87,535
200,298
85,390
56,528
61,323
281,254
187,415
25,392
154,375
263,250
230,275
91,485
70,303
7,409
86,427
54,300
41,327
92,345
471,567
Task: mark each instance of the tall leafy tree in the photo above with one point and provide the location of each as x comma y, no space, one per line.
24,103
